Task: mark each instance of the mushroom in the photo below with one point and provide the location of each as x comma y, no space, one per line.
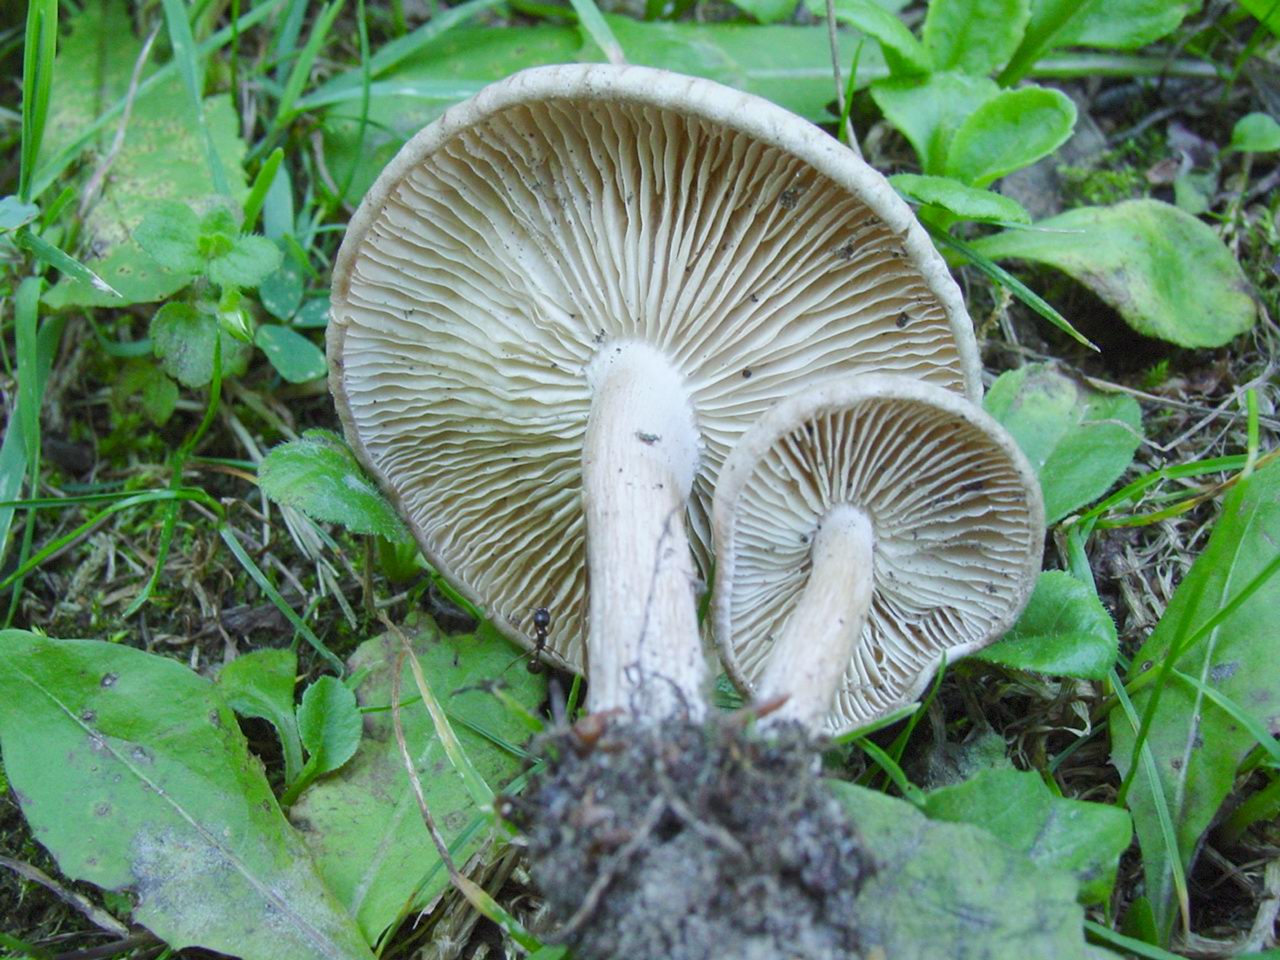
865,529
560,305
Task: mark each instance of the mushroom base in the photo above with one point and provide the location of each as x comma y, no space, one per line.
689,841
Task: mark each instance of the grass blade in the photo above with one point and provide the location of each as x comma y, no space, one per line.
261,184
46,252
187,58
301,71
37,82
1136,947
592,23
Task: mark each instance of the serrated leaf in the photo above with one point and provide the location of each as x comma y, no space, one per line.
1010,131
260,684
881,25
162,157
1078,440
363,825
929,110
1065,631
1166,273
965,202
329,724
170,234
158,794
1196,744
1079,838
789,65
318,475
953,890
1256,133
183,339
249,261
295,357
974,36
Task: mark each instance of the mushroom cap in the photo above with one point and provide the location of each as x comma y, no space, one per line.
570,207
957,517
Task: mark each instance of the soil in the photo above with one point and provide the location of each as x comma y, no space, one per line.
685,842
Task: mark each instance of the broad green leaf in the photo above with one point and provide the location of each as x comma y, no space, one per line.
789,65
959,200
295,357
1166,273
1267,11
14,213
281,293
1064,632
1078,440
329,724
1197,745
183,340
767,11
953,890
1079,838
881,25
170,234
318,475
154,791
1256,133
974,36
1010,131
929,110
362,823
249,261
158,393
313,314
260,684
1113,24
162,157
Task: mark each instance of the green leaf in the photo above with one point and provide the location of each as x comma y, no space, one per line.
1256,133
1197,745
14,213
170,234
1266,11
1113,24
163,156
967,203
882,26
363,825
159,394
154,791
1064,632
319,476
183,341
1166,273
974,36
953,890
281,293
249,261
313,314
789,65
295,357
767,11
1079,838
260,684
329,724
928,111
1008,132
1078,440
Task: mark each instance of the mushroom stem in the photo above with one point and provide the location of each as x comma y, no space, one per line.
809,659
644,654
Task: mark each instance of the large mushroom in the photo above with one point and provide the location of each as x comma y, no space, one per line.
561,304
865,529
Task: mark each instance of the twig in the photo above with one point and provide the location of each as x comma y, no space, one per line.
96,915
117,143
850,136
114,949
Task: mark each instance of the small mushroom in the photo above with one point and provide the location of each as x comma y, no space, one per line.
560,305
866,528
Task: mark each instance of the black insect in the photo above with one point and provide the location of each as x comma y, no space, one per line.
541,622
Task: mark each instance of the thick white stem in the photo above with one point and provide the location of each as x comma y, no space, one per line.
644,653
812,654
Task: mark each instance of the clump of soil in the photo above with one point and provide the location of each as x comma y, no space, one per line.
681,841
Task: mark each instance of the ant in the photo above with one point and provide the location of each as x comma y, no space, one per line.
541,622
